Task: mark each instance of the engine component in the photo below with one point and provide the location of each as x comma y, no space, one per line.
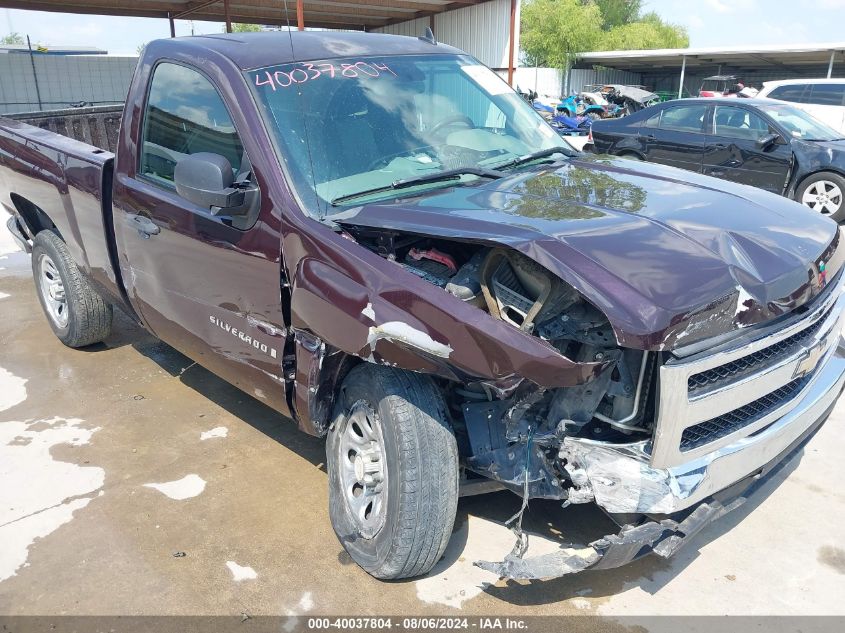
434,255
520,291
430,270
466,284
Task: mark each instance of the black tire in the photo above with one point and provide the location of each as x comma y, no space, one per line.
421,459
834,206
87,318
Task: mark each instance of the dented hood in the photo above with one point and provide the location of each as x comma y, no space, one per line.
670,257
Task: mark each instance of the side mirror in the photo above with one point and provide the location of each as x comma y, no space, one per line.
765,142
206,179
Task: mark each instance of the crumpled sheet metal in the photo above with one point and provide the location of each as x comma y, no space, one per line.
663,538
623,484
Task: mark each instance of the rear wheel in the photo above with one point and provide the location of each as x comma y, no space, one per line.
76,313
393,471
823,192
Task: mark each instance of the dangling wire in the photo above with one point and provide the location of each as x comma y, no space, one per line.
521,545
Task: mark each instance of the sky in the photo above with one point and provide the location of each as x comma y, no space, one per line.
710,23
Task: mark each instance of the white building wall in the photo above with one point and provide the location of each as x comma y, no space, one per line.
62,80
482,30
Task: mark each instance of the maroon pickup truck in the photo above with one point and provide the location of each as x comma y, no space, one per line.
378,238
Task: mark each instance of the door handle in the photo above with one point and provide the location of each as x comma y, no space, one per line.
143,225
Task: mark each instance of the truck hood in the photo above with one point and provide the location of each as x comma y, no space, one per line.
669,256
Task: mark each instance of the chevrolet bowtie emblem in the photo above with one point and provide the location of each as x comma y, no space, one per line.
810,359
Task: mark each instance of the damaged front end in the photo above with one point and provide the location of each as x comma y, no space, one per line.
549,399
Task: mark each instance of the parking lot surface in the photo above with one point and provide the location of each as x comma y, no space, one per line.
133,481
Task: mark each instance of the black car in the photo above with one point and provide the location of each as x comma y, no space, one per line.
760,142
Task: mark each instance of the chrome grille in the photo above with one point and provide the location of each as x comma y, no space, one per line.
716,428
712,399
758,361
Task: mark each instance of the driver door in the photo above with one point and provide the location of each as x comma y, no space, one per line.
207,285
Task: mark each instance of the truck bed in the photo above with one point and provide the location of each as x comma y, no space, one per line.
98,126
67,177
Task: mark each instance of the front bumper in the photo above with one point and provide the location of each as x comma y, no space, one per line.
687,497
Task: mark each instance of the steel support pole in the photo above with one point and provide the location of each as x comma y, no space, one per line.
683,71
300,16
512,44
34,75
228,16
172,25
830,65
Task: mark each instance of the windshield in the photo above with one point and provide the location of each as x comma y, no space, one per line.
345,126
799,124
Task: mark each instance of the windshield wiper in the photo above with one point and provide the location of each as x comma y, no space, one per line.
543,153
440,176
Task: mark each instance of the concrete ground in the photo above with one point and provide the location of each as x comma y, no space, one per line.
135,482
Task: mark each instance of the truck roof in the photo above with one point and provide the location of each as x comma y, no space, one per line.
256,50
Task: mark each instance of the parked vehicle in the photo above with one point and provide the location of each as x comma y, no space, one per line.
608,110
721,86
574,106
823,98
763,143
629,98
396,251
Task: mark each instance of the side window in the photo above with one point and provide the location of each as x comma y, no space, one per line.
827,94
684,118
653,120
792,93
184,115
733,122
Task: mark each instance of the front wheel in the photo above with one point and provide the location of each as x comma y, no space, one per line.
823,192
393,471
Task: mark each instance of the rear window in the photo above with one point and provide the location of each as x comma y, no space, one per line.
827,94
793,93
683,118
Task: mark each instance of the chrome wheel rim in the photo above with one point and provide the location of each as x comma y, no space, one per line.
363,471
52,290
823,196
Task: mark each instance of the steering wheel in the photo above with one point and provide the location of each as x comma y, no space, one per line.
452,120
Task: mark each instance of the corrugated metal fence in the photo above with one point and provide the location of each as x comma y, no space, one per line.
580,77
482,30
59,81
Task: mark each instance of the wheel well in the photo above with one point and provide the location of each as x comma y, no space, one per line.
33,216
801,182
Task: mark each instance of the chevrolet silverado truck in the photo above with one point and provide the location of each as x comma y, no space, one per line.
378,238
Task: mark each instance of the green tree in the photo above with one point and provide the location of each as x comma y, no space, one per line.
618,12
554,31
12,38
649,32
239,27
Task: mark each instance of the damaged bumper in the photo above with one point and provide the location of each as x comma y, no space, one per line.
688,496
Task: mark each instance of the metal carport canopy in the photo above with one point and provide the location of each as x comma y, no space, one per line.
756,57
333,14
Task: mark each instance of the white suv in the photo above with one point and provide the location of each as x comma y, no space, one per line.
823,98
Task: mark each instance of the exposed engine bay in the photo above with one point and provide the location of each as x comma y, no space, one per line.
505,435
